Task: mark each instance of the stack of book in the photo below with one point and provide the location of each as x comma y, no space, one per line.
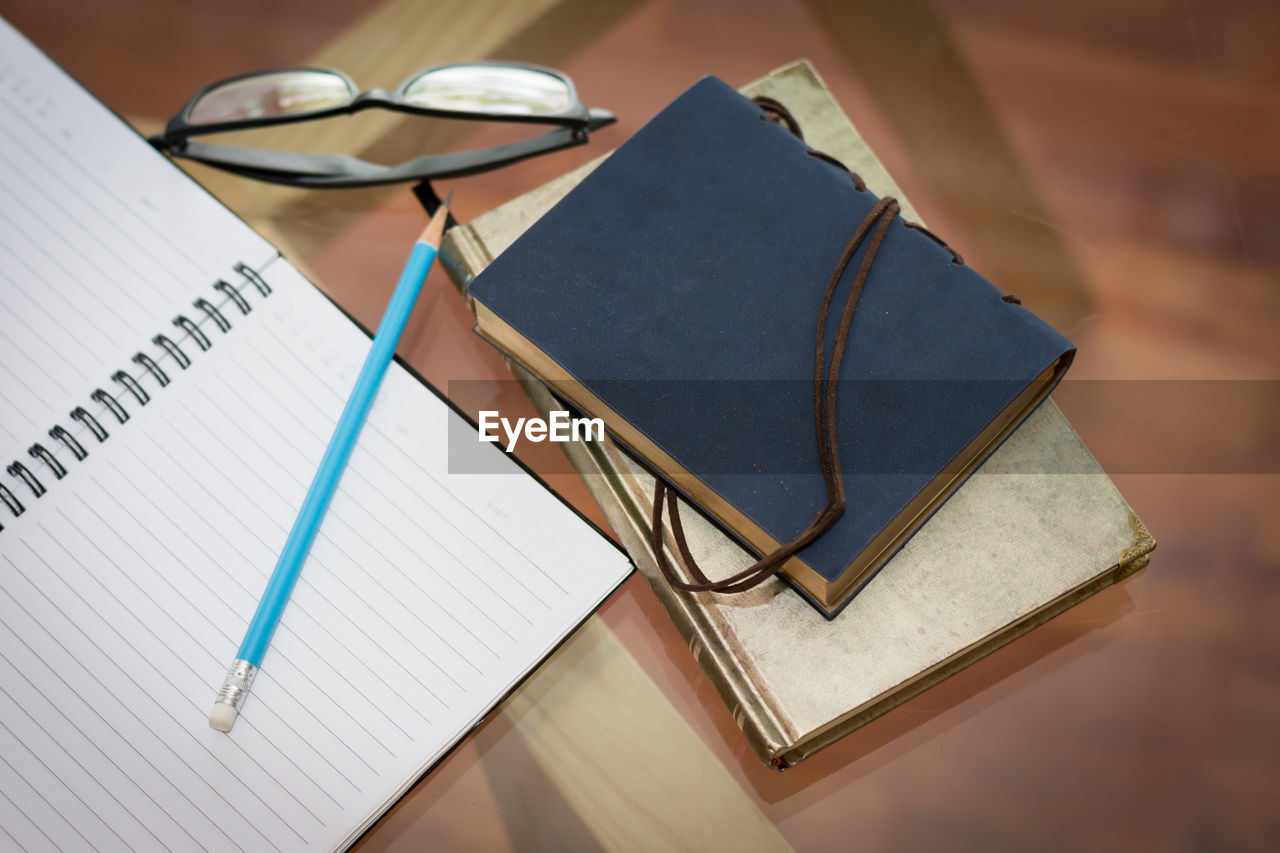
1038,527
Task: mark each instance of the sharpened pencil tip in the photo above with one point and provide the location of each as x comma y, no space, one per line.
435,228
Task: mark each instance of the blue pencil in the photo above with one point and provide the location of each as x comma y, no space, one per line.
256,639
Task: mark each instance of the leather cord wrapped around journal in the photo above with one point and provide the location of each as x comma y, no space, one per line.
706,240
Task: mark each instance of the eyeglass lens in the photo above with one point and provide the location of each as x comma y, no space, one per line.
272,94
490,89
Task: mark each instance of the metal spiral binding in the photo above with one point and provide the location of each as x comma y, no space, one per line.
130,390
15,506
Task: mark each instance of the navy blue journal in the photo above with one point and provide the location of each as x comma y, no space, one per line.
675,294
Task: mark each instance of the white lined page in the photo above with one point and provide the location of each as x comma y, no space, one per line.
125,590
102,242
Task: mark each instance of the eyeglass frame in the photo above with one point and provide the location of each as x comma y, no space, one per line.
345,171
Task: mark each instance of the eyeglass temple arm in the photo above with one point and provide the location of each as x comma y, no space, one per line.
430,201
282,163
319,170
598,118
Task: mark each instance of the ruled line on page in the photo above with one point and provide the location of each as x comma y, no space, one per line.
27,244
58,162
297,668
19,271
160,611
64,786
212,438
307,427
386,444
178,661
104,692
103,264
371,520
297,395
91,741
35,192
16,351
85,240
46,320
150,702
280,525
22,708
300,706
314,624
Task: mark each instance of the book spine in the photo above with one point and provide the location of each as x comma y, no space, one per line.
462,254
753,712
156,367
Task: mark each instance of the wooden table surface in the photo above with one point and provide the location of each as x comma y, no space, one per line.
1111,161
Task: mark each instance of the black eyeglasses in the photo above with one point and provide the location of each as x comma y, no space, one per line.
488,91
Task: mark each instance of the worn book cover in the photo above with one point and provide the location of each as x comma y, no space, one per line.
1038,528
675,292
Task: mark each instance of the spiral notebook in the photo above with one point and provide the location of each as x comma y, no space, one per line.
167,386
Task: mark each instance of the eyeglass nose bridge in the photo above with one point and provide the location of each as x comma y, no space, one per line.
370,98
